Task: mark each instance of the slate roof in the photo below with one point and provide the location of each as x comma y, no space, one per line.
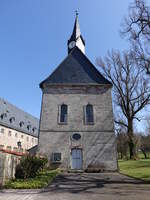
17,119
76,69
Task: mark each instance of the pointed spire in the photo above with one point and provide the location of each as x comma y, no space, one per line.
76,38
76,30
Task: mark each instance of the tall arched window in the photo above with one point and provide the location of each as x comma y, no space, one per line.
89,116
63,113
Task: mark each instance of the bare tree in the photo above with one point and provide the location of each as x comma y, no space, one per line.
130,90
145,139
137,28
145,145
122,144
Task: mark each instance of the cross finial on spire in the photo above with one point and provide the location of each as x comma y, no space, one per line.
77,13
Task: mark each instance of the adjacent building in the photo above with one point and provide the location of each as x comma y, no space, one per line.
18,129
76,124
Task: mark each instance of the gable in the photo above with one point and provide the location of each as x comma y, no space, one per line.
76,69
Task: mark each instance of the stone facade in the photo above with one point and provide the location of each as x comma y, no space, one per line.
9,139
97,141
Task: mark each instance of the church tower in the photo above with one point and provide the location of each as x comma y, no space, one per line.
76,123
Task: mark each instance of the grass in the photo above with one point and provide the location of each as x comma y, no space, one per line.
40,181
136,168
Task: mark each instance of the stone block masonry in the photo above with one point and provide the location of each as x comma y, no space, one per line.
97,141
8,164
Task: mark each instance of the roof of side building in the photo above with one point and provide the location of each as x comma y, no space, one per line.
17,119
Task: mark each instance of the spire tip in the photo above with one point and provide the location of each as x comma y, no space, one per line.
77,13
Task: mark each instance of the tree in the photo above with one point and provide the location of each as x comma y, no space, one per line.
130,90
145,139
122,144
145,145
136,26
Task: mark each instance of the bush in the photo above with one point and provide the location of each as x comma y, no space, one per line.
29,167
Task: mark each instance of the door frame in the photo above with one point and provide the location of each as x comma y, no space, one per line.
77,148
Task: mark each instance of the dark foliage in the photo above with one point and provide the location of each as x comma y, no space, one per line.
29,167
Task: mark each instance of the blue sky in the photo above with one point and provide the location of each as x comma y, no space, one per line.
33,41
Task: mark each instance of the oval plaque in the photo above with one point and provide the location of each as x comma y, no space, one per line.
76,136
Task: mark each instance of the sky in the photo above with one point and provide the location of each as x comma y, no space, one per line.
33,41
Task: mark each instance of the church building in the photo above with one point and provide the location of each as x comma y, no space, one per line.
76,123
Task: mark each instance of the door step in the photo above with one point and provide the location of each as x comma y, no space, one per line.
75,171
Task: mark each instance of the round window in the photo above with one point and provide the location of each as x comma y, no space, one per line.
76,136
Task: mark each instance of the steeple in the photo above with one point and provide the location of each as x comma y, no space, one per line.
76,38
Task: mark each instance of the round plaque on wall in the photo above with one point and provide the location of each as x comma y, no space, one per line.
76,136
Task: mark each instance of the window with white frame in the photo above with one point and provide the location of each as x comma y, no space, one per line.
9,133
2,130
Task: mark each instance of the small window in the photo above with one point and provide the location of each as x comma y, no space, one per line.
56,157
33,129
4,115
16,135
27,138
15,149
63,113
21,136
89,116
1,146
29,127
12,119
9,133
9,148
2,130
21,123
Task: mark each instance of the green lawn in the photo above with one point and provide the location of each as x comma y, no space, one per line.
40,181
136,168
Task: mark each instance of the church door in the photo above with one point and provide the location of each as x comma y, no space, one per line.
76,158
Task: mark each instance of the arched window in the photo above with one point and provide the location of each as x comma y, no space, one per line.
63,113
89,116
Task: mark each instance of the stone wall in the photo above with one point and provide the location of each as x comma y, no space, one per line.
97,141
8,164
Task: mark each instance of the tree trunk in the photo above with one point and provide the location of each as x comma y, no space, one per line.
131,149
145,155
132,145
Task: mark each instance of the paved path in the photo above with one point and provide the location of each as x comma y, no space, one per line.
107,186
